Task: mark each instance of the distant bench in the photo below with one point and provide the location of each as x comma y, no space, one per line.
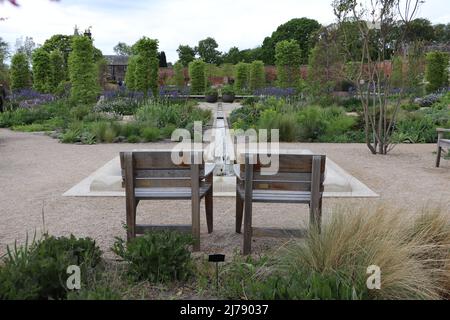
442,143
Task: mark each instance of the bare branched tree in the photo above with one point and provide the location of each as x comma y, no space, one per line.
381,41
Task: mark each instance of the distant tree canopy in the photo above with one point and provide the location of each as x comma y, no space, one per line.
122,49
186,54
207,51
302,30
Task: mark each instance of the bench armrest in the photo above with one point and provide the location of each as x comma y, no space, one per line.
442,130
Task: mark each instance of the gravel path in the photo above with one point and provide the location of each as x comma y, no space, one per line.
36,170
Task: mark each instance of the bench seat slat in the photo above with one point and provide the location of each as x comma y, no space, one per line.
168,193
278,196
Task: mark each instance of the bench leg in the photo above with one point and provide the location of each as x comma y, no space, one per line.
239,212
209,210
131,207
438,158
247,227
315,215
196,222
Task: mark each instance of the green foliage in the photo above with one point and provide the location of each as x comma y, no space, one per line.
436,71
41,70
257,75
147,66
266,279
178,70
207,51
397,78
197,75
324,64
288,61
150,134
83,71
157,256
97,293
57,74
228,89
20,72
38,271
130,76
242,77
186,55
298,123
302,30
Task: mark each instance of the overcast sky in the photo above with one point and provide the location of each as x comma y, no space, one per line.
242,23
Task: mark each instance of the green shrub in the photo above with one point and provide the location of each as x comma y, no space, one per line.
157,256
80,112
71,136
150,134
133,139
167,131
38,271
312,124
265,279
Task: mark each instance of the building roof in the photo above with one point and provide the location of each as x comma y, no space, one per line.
116,60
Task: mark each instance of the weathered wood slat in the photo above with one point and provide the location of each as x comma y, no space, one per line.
169,193
278,232
289,163
161,159
141,228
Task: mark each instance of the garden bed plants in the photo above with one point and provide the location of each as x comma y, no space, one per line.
412,255
150,120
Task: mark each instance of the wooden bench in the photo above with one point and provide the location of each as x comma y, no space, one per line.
442,143
299,179
152,175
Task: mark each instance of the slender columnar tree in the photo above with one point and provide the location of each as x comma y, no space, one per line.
197,75
83,72
257,75
179,74
130,79
436,70
41,70
20,72
288,61
147,66
242,77
57,69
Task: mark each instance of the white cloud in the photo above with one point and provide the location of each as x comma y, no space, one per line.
242,23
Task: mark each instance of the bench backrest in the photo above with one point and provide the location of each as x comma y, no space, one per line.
155,169
295,172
